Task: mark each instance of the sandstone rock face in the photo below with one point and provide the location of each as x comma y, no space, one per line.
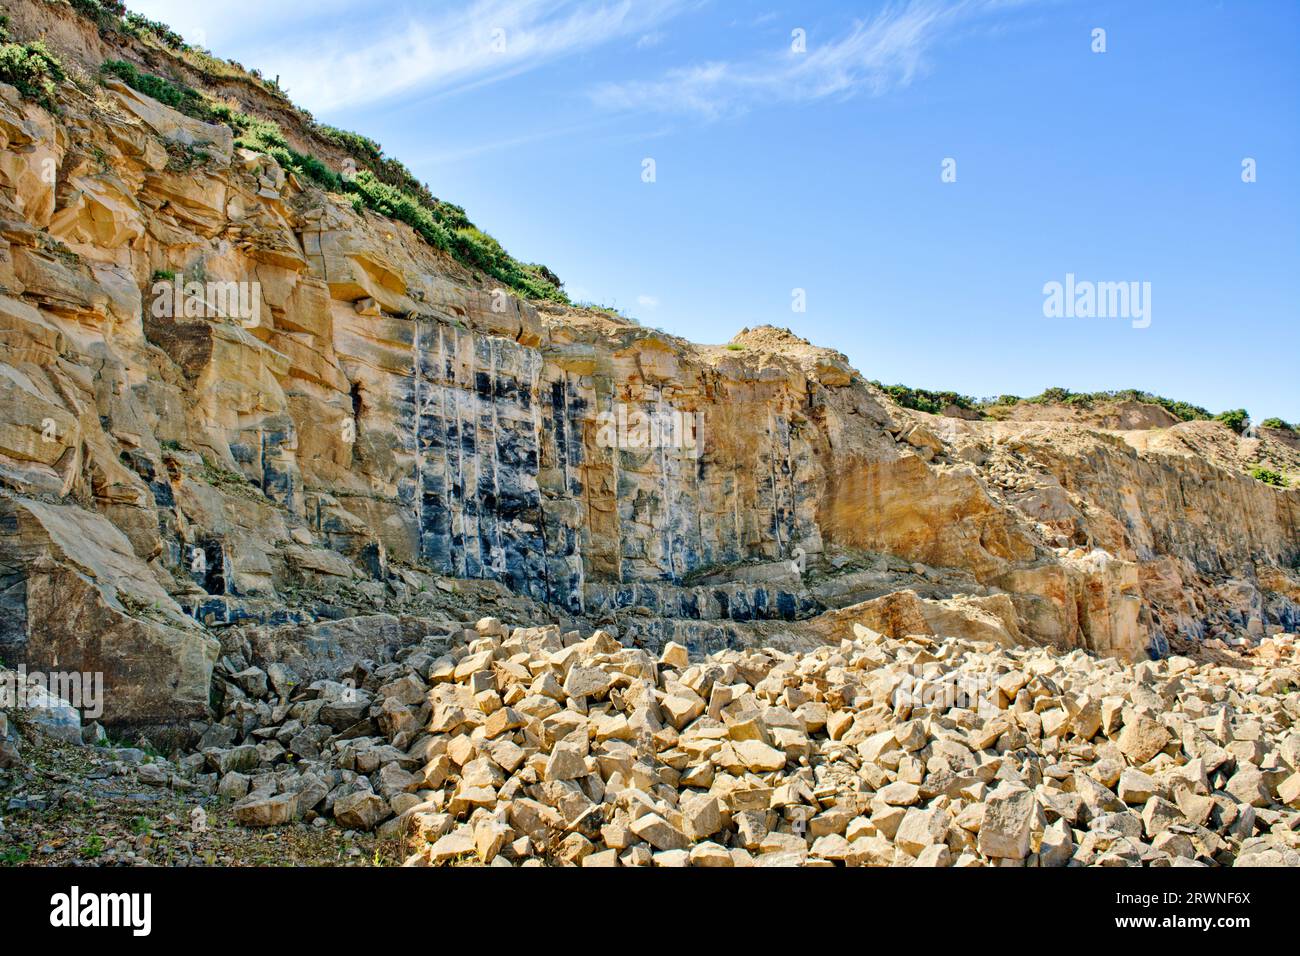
1092,600
385,418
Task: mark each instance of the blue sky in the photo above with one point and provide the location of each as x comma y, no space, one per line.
820,170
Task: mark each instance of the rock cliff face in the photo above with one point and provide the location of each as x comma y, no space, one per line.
229,399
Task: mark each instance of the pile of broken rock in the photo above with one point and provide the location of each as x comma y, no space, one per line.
531,747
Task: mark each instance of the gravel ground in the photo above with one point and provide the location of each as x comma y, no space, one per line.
72,806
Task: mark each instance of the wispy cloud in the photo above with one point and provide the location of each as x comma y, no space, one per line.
453,50
878,54
452,155
219,25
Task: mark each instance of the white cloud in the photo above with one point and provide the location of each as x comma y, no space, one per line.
373,59
347,53
647,302
217,25
884,52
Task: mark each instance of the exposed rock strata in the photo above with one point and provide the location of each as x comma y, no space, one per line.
386,420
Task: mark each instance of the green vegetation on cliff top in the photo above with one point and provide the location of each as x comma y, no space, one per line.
375,181
936,402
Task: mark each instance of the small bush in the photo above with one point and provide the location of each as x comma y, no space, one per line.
1268,477
256,134
354,144
924,400
1052,396
106,13
545,273
136,24
315,170
33,70
93,847
1236,419
1278,424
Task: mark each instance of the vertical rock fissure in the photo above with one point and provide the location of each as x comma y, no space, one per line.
791,486
458,530
446,396
732,549
775,503
579,562
616,461
498,547
566,439
665,487
534,383
697,514
417,439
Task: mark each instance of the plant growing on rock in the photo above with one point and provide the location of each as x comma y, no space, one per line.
32,69
14,855
924,400
106,13
1236,419
1268,476
137,25
1278,424
93,847
177,96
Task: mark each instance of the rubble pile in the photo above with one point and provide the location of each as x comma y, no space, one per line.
529,746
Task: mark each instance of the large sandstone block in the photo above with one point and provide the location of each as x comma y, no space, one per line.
175,127
991,618
76,598
1092,602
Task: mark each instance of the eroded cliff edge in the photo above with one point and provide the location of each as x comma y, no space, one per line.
392,423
